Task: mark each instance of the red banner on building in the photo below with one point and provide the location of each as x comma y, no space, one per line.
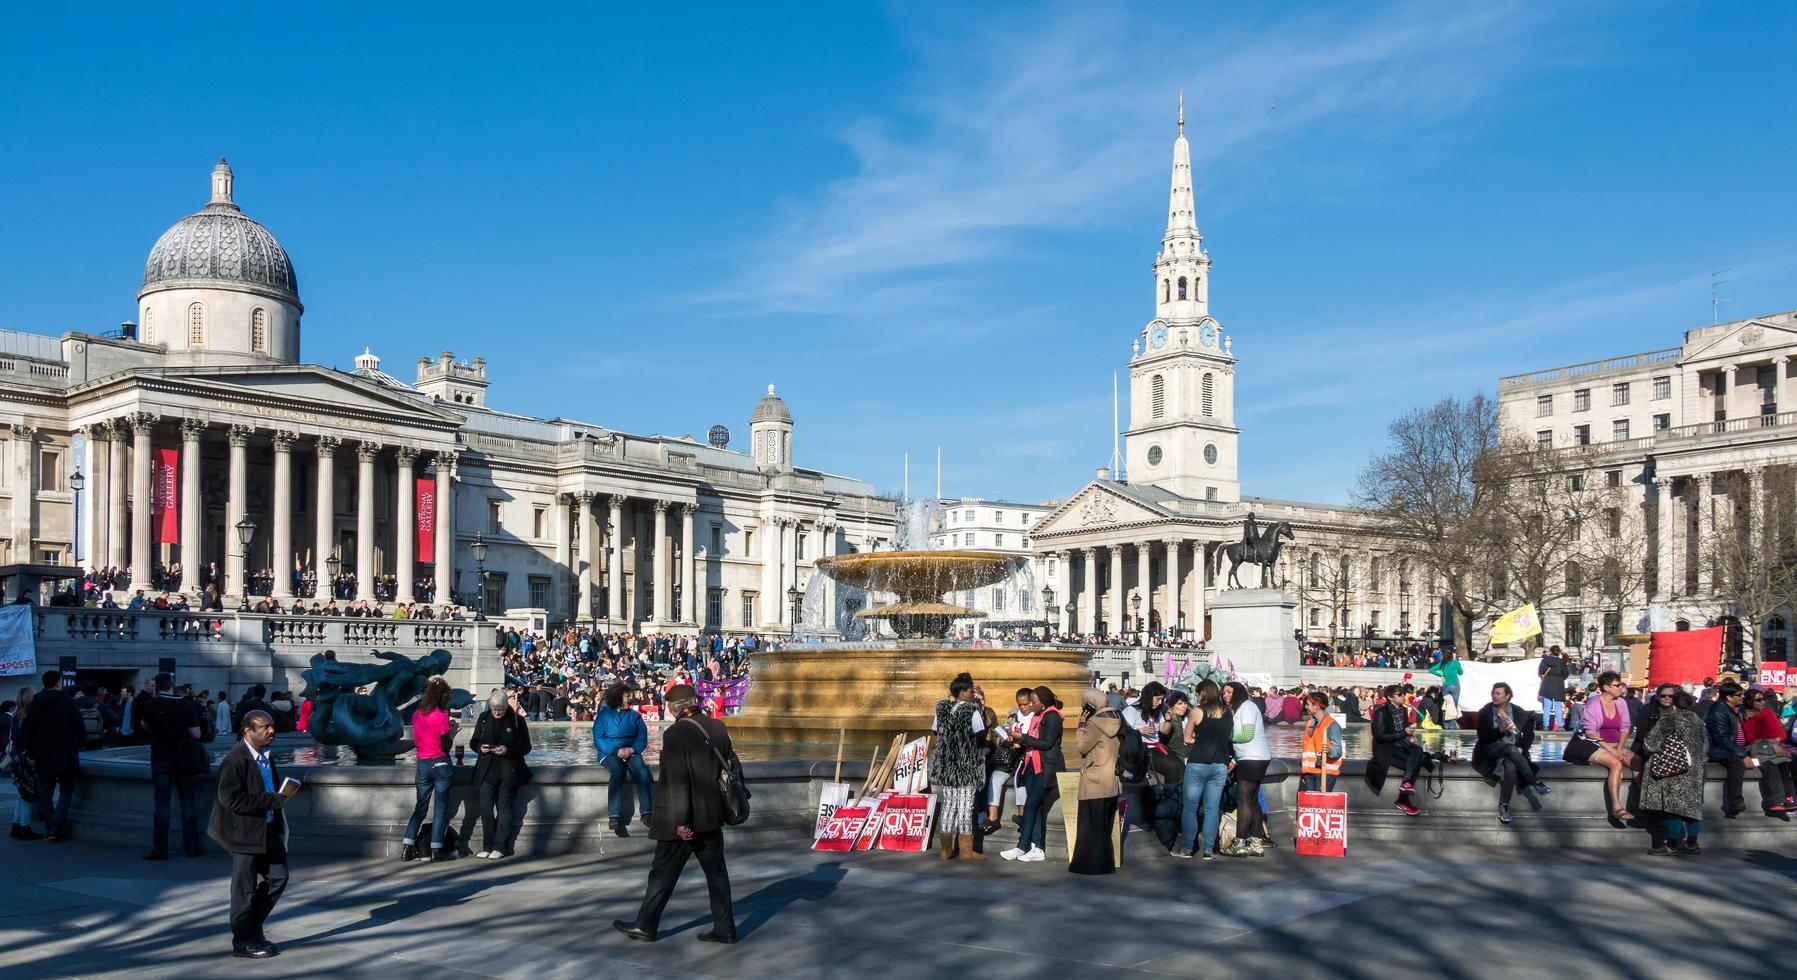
168,496
1323,824
427,520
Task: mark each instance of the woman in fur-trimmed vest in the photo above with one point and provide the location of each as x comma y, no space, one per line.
957,765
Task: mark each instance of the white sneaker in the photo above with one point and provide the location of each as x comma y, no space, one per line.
484,854
495,855
1033,854
1012,854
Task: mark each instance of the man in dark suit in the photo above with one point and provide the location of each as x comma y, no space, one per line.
54,735
688,820
247,821
177,758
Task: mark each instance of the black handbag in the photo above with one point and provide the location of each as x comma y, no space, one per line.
731,784
1579,749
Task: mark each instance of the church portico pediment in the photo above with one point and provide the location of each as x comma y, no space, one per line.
1098,507
304,398
1742,342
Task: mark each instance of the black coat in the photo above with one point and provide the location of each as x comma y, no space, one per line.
1047,740
508,769
54,732
1391,744
1490,734
239,822
687,793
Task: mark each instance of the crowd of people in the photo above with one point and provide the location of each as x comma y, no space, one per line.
563,673
98,588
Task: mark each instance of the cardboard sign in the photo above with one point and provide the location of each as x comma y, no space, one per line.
834,797
912,772
905,822
18,640
871,831
1772,675
1323,824
843,830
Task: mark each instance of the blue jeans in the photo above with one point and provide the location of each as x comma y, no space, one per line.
639,774
1203,784
53,817
1552,711
1316,783
1040,790
163,777
433,779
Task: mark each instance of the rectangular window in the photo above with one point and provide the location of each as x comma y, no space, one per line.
1051,567
800,552
50,556
717,540
1619,430
748,610
714,609
1613,518
1026,542
967,516
1575,630
1613,478
1316,615
1210,493
1575,579
539,520
49,470
1581,435
1619,393
1581,400
495,517
495,593
998,600
539,592
969,539
1575,483
998,541
998,517
748,542
1662,387
1026,519
1662,421
1544,406
1544,439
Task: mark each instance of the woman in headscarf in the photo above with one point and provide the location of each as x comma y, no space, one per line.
957,764
501,741
1097,744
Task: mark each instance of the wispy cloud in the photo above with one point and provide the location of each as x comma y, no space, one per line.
1010,132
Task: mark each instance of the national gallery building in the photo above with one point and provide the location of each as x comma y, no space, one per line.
165,444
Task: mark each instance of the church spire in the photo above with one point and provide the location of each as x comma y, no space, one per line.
1182,222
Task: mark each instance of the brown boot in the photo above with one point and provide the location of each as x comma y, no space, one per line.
948,845
967,851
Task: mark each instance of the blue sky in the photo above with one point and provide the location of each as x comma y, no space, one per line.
929,225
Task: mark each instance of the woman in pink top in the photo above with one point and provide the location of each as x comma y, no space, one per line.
432,732
1606,720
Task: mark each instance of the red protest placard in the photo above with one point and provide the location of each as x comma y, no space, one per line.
905,823
1772,675
1323,824
843,829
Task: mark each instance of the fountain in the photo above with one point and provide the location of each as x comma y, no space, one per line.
876,688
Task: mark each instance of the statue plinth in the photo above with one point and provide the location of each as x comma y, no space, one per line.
1251,631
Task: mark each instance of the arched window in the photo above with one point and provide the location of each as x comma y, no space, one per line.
1166,290
1209,394
259,331
149,326
196,325
1158,396
1182,287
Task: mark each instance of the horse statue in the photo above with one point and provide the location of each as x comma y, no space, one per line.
1260,549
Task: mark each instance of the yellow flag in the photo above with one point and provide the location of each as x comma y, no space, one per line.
1515,625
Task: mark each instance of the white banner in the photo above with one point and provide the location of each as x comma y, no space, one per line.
832,797
912,773
1477,676
18,649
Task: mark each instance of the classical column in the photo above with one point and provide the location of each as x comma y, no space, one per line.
280,562
770,570
406,537
1780,367
445,466
789,532
1200,568
1144,583
24,491
663,575
1117,609
614,558
142,558
235,508
117,537
1170,618
1704,504
324,531
1062,583
689,579
565,560
1663,537
90,457
584,519
1756,504
1089,572
366,452
193,432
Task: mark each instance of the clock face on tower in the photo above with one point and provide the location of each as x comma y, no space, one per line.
1208,335
1157,338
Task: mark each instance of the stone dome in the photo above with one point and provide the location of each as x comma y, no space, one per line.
771,407
221,246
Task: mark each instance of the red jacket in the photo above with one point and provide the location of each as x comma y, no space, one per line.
1764,725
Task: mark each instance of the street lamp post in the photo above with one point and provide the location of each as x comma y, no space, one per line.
1048,611
479,550
76,483
793,598
332,566
246,532
1591,640
1135,609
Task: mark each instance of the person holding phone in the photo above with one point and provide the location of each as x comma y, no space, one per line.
248,821
432,733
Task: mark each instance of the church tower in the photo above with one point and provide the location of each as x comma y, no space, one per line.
1182,434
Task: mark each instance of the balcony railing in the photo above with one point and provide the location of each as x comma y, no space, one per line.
81,628
1749,423
1593,368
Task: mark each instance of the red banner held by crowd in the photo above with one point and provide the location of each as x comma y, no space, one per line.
168,497
1323,824
1684,656
427,521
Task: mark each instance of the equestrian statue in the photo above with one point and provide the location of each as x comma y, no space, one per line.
1257,547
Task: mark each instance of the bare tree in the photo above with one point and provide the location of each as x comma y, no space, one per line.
1753,553
1324,581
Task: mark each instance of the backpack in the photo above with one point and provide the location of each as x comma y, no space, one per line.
1132,756
93,723
731,785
